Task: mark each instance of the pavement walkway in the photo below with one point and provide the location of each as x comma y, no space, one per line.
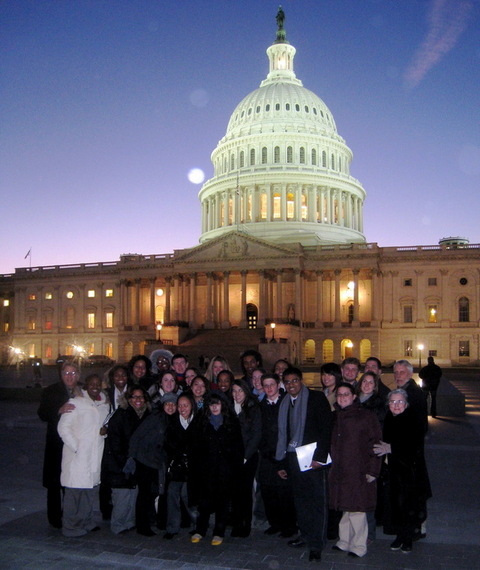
27,541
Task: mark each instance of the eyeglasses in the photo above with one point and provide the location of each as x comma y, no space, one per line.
344,395
393,402
137,397
70,373
292,381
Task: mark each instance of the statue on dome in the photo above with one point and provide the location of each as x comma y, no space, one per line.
281,33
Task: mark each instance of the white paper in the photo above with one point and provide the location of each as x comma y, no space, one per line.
305,456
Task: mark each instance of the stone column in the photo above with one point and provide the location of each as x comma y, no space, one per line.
243,302
192,290
356,308
338,317
209,324
279,312
319,315
226,301
395,307
261,298
136,320
152,303
421,309
168,300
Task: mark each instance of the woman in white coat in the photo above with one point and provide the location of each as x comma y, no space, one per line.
82,433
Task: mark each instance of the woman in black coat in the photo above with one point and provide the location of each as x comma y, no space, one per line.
215,455
121,426
408,485
248,412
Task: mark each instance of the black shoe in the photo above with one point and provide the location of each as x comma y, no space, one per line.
396,544
315,556
418,536
353,555
94,529
407,547
169,535
296,542
271,530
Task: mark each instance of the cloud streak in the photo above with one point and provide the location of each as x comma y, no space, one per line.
447,20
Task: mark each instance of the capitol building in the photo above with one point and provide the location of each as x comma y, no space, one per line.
282,257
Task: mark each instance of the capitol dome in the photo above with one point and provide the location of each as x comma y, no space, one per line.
282,171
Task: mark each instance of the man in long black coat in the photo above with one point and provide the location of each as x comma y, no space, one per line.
305,417
53,403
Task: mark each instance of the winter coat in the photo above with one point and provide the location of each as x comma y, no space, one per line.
82,442
355,431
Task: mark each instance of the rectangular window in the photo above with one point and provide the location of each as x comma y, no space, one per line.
109,320
91,293
432,353
48,351
90,320
407,348
407,282
432,313
6,327
407,314
464,348
6,303
109,349
32,297
48,325
108,292
31,324
48,296
432,281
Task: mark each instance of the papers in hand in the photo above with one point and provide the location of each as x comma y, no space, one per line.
305,456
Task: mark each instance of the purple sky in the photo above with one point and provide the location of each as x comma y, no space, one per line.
106,106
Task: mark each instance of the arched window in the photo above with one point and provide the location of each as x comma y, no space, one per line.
289,154
327,350
302,155
277,206
464,310
252,157
314,157
263,206
333,162
276,155
252,316
290,206
324,159
309,351
242,159
264,155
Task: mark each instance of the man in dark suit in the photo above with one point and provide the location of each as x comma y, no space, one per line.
53,403
305,417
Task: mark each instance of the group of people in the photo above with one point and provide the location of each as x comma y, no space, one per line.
168,446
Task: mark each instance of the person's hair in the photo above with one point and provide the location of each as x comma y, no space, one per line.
293,370
189,397
91,377
255,354
405,363
230,375
351,360
196,370
135,388
71,364
271,375
430,360
374,359
333,369
399,392
177,356
362,377
281,360
216,397
135,359
113,369
209,371
346,385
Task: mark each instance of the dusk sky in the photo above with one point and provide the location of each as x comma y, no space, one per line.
107,105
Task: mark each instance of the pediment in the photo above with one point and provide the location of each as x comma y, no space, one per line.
234,246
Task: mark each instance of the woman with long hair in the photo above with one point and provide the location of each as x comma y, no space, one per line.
216,365
199,390
331,376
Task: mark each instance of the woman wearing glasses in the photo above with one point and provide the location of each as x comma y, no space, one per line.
408,485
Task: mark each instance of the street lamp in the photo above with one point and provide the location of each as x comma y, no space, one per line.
420,348
273,325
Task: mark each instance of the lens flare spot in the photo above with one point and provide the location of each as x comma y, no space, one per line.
196,175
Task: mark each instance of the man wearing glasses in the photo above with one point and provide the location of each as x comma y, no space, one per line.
53,403
305,418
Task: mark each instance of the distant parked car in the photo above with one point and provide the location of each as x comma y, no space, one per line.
62,358
99,360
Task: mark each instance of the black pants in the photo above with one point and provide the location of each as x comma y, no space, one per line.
147,480
310,495
242,496
277,497
54,505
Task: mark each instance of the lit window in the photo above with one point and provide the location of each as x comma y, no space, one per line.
464,348
277,206
69,294
463,310
48,351
32,297
91,320
108,292
263,206
304,207
407,348
70,318
109,320
31,324
6,327
48,325
6,302
48,296
108,350
290,206
91,293
432,313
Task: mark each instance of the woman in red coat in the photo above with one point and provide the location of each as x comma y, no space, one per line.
355,469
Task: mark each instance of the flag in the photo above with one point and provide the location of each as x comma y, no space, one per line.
28,253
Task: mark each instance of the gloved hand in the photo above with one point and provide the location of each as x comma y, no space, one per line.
129,467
